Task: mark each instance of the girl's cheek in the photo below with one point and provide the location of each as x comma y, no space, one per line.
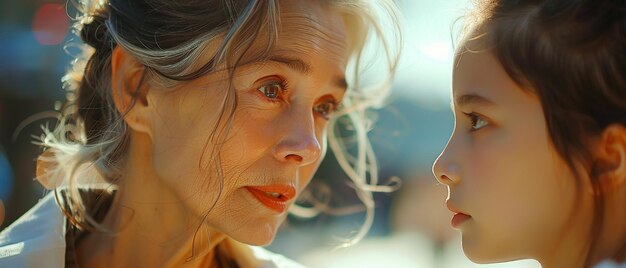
487,160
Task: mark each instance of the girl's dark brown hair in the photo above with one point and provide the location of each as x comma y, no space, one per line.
572,55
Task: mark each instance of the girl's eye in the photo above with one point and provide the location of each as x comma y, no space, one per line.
272,90
478,121
326,108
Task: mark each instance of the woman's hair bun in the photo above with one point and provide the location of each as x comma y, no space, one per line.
96,34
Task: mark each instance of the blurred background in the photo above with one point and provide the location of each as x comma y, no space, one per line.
412,225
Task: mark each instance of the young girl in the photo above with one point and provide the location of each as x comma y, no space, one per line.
536,165
203,121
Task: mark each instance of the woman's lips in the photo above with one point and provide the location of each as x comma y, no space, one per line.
274,197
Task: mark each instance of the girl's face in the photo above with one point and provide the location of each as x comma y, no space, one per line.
512,195
278,136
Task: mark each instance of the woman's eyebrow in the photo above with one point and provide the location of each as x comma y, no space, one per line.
304,67
475,99
296,64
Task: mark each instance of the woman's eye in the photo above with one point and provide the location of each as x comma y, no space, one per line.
272,90
477,121
326,108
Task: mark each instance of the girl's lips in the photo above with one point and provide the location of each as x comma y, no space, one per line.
458,219
453,208
274,197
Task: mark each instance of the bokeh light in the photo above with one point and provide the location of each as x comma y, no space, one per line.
50,24
6,177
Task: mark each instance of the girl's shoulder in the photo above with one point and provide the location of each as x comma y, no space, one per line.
610,264
37,239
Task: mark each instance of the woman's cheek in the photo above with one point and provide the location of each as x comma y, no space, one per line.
306,173
250,137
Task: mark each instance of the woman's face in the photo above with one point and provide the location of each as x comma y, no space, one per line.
512,194
278,136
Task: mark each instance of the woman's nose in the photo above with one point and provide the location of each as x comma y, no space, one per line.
299,143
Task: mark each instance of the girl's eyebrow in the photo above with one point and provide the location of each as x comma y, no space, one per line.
468,99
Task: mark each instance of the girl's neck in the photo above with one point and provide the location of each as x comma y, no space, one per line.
569,254
571,248
611,239
611,243
620,256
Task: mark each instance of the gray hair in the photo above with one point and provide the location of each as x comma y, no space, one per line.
91,131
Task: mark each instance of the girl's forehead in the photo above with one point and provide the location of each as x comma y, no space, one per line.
479,73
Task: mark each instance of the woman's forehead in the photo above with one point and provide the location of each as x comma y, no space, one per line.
312,27
306,29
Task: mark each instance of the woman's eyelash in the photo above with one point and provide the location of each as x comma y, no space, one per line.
327,108
274,90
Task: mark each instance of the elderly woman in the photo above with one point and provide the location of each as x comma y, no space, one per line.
192,126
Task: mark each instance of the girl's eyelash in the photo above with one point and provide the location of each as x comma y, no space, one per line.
475,119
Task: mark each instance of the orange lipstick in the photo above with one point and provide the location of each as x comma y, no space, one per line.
274,197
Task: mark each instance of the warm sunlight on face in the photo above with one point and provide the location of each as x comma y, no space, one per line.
512,194
278,136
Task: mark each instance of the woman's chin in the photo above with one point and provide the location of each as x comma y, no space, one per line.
257,235
256,240
262,243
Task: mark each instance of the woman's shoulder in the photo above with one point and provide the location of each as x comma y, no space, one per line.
270,260
35,239
258,257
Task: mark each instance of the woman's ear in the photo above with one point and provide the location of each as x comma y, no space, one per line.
129,90
610,158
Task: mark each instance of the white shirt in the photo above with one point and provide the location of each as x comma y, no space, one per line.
37,239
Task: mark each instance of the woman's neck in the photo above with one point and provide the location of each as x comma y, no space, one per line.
147,235
149,224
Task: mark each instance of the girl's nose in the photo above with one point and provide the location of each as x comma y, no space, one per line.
446,171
